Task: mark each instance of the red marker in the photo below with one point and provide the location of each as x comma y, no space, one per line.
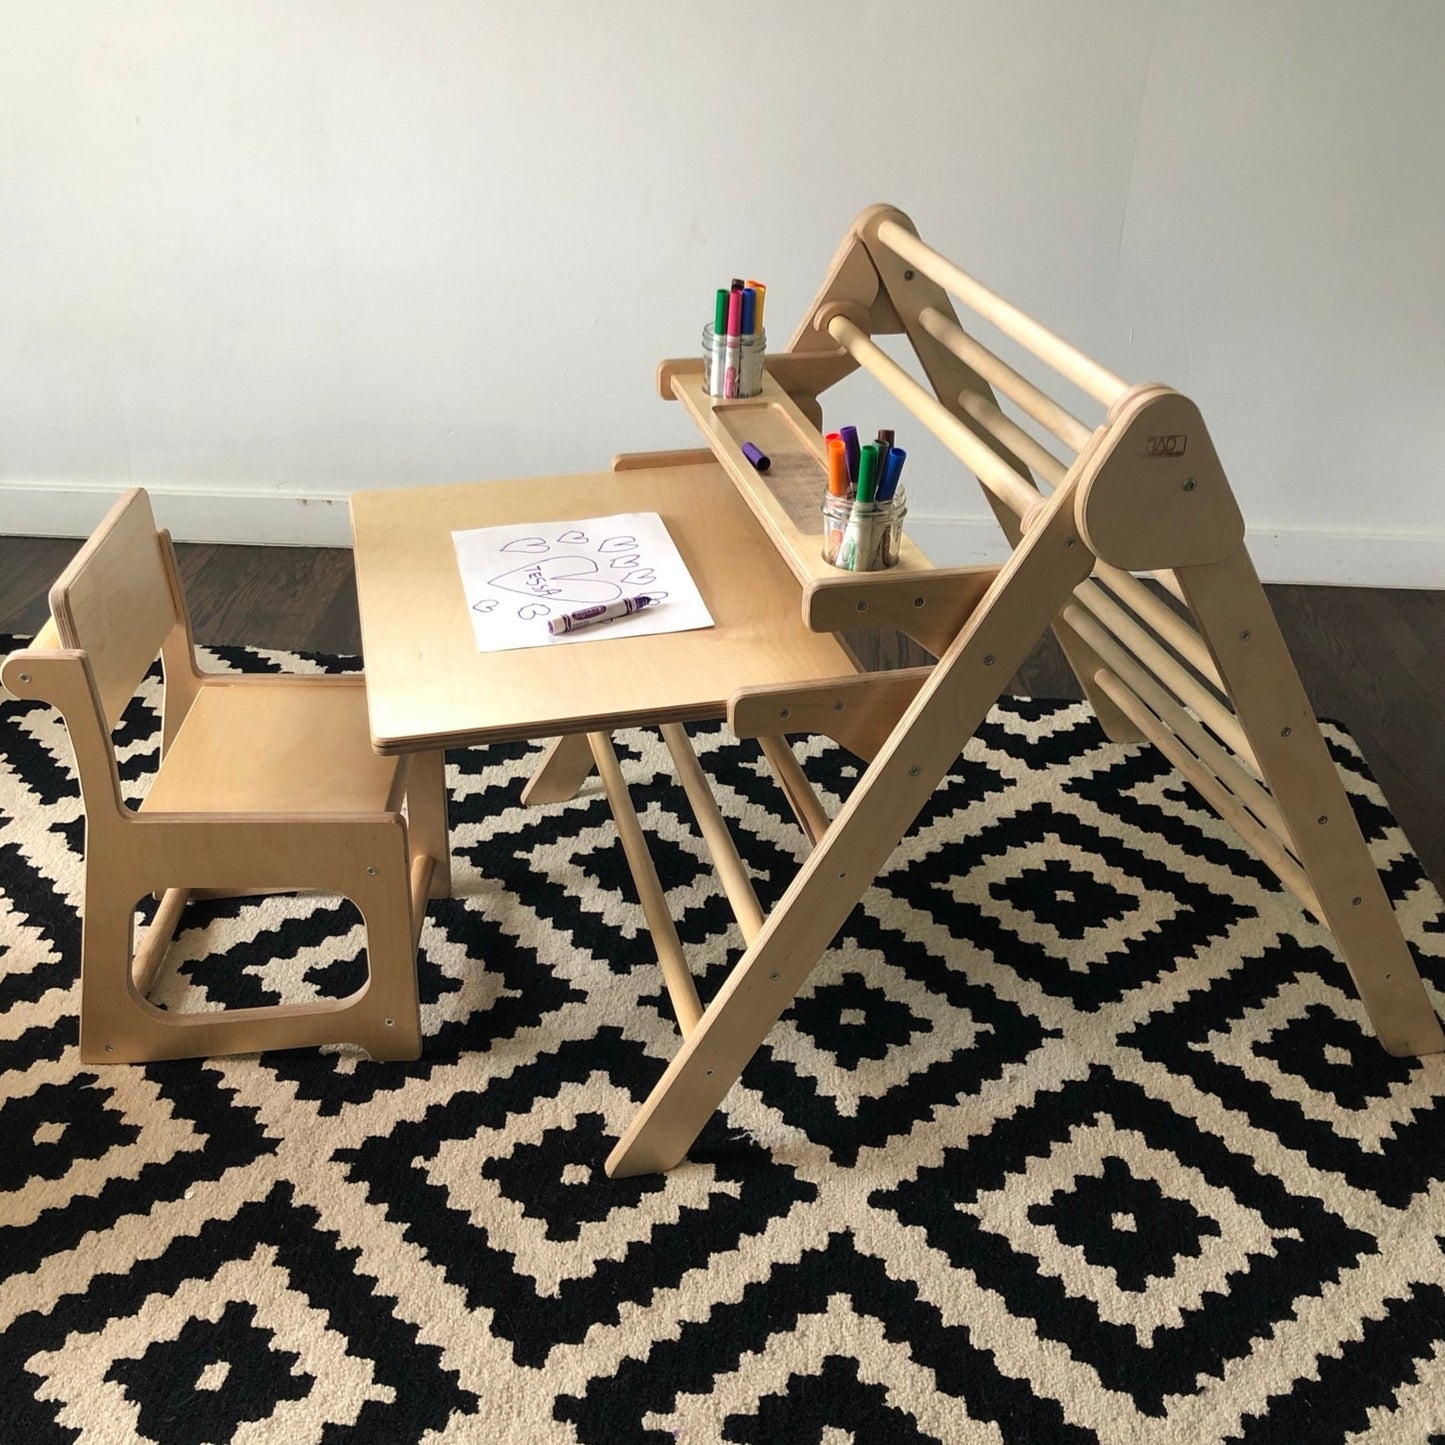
732,376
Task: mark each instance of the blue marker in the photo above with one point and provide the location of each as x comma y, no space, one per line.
896,457
750,311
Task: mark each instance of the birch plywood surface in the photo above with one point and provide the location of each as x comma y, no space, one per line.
428,684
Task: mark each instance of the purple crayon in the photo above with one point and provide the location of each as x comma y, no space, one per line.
602,612
757,457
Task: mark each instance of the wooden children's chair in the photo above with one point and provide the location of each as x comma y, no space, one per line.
266,784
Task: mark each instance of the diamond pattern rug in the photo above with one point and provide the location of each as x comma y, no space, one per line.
1077,1133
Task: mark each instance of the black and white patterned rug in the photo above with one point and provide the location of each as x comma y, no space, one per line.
1077,1134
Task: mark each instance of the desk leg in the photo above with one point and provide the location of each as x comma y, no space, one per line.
564,768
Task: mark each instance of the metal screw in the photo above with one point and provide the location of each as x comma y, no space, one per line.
1244,636
1355,902
988,659
1188,484
1323,818
709,1073
1285,732
785,712
837,707
371,872
390,1023
918,602
908,275
1070,542
913,771
110,1048
775,976
24,677
862,607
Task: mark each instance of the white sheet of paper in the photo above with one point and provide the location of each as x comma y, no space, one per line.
519,576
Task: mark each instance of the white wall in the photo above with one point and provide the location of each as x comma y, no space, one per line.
258,255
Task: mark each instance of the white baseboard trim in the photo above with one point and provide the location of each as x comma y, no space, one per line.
1281,554
268,518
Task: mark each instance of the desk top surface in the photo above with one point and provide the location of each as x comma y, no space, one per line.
428,686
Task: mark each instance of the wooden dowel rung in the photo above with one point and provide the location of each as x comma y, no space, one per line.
680,987
1018,495
806,806
1054,351
152,952
1110,620
1218,759
1174,629
1170,583
997,372
731,873
1010,434
1271,849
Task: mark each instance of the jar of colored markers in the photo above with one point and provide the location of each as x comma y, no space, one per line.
734,346
864,506
863,536
748,361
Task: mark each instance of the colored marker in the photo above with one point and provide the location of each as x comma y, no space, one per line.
856,553
734,343
868,472
762,296
885,445
719,345
837,464
756,457
889,484
750,311
850,444
591,616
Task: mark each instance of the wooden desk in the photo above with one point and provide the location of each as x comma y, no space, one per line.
429,687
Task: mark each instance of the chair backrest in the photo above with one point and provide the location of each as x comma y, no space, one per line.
115,601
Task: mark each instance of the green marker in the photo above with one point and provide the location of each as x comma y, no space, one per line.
717,362
867,472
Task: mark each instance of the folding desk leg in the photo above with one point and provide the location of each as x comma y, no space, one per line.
565,766
1019,607
1236,620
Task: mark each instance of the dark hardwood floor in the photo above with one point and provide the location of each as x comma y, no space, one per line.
1371,659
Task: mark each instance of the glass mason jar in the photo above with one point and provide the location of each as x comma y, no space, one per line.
745,363
863,536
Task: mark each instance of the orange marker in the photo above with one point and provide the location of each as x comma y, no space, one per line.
762,296
837,465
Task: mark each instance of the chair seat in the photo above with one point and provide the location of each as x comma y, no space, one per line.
276,745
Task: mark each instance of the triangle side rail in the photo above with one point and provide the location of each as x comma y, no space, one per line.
1019,607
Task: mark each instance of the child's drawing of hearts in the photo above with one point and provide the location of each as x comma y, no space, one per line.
631,561
561,579
527,544
487,604
617,544
575,537
640,578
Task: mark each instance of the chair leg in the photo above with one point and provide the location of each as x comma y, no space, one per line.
111,1030
426,818
388,1018
367,863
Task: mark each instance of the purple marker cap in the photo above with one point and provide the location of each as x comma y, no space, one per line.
756,457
